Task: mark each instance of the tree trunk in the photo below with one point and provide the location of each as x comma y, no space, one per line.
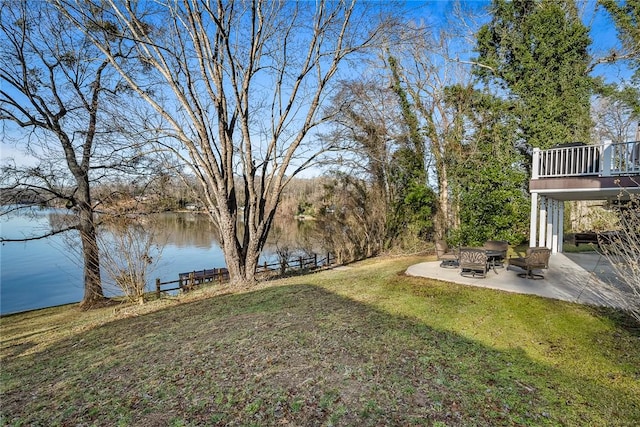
92,286
442,215
93,293
241,264
241,258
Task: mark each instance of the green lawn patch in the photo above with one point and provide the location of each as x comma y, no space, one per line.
363,346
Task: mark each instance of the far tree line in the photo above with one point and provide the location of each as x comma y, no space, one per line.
416,139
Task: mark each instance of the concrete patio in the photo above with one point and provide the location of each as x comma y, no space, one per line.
583,278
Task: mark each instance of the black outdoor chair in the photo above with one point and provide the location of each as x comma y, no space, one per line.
473,261
536,259
448,259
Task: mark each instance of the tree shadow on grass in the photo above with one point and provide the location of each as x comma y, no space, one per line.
294,355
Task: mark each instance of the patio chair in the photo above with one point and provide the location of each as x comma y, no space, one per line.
473,261
496,251
448,259
536,259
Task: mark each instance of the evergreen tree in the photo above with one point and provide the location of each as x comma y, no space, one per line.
536,50
489,178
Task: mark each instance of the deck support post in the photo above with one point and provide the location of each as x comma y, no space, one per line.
560,245
543,222
533,220
555,213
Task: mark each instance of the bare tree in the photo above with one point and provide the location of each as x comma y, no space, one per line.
354,226
366,126
427,69
130,249
615,120
241,84
621,249
54,91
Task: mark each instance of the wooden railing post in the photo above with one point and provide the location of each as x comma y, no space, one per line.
607,162
535,164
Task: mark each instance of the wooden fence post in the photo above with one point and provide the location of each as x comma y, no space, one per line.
158,288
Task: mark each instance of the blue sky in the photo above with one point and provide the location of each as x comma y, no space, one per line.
440,13
603,33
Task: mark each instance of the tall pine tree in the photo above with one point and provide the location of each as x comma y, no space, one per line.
536,51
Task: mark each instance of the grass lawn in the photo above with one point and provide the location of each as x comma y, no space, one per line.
360,346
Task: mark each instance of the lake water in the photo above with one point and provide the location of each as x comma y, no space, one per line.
45,273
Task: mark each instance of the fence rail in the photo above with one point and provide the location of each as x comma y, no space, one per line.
188,281
606,159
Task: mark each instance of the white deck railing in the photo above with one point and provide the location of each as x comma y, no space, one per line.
606,159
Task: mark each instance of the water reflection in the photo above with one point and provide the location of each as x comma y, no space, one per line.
197,230
185,229
42,273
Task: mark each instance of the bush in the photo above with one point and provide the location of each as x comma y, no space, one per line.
128,249
622,250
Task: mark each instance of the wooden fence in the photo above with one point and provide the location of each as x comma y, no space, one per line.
187,281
